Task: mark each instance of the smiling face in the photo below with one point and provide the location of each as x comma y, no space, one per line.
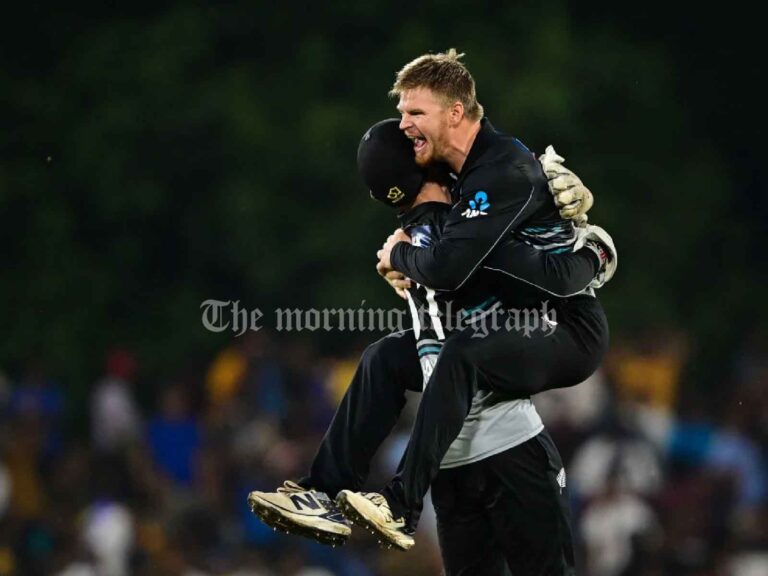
425,119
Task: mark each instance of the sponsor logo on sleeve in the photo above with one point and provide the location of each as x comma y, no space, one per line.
477,206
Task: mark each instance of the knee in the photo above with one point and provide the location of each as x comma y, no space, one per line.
455,369
386,351
394,361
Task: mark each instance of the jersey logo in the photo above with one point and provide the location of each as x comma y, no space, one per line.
561,479
477,206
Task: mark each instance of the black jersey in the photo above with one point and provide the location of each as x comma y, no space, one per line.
503,215
530,275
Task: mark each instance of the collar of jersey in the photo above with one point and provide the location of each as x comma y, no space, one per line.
484,139
415,214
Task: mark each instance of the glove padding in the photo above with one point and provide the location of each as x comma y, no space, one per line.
571,196
601,243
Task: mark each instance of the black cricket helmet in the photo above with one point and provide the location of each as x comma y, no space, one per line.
387,165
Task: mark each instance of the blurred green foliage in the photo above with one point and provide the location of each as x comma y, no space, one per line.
157,157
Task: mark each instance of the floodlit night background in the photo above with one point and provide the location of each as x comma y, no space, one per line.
157,155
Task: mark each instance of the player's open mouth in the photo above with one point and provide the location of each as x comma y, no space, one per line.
418,144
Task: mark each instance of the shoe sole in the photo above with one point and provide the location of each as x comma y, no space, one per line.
276,520
351,513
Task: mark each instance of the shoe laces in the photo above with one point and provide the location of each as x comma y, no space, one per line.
290,487
382,504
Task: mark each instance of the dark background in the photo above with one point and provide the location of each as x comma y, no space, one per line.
155,155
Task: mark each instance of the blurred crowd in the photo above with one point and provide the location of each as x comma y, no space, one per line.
664,480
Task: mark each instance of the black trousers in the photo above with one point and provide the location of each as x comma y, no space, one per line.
376,396
507,513
367,414
516,362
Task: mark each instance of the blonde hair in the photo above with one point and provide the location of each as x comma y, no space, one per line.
445,75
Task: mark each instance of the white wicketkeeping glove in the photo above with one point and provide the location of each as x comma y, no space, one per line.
571,196
601,243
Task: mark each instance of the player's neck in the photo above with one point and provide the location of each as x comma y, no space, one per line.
432,192
462,138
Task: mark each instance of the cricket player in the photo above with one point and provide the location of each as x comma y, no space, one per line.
389,367
501,195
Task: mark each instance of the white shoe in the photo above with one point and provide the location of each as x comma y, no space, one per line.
372,511
296,510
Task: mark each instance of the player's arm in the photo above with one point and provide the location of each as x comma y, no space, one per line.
494,201
559,274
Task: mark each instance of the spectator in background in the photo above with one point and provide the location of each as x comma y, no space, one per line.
308,404
78,569
571,413
244,376
577,407
23,457
619,530
108,533
40,399
174,437
225,377
733,453
690,436
616,454
648,371
115,418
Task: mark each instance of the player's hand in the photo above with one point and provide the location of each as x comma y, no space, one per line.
571,196
386,250
600,242
396,280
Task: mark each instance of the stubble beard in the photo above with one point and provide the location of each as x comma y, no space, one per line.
425,160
